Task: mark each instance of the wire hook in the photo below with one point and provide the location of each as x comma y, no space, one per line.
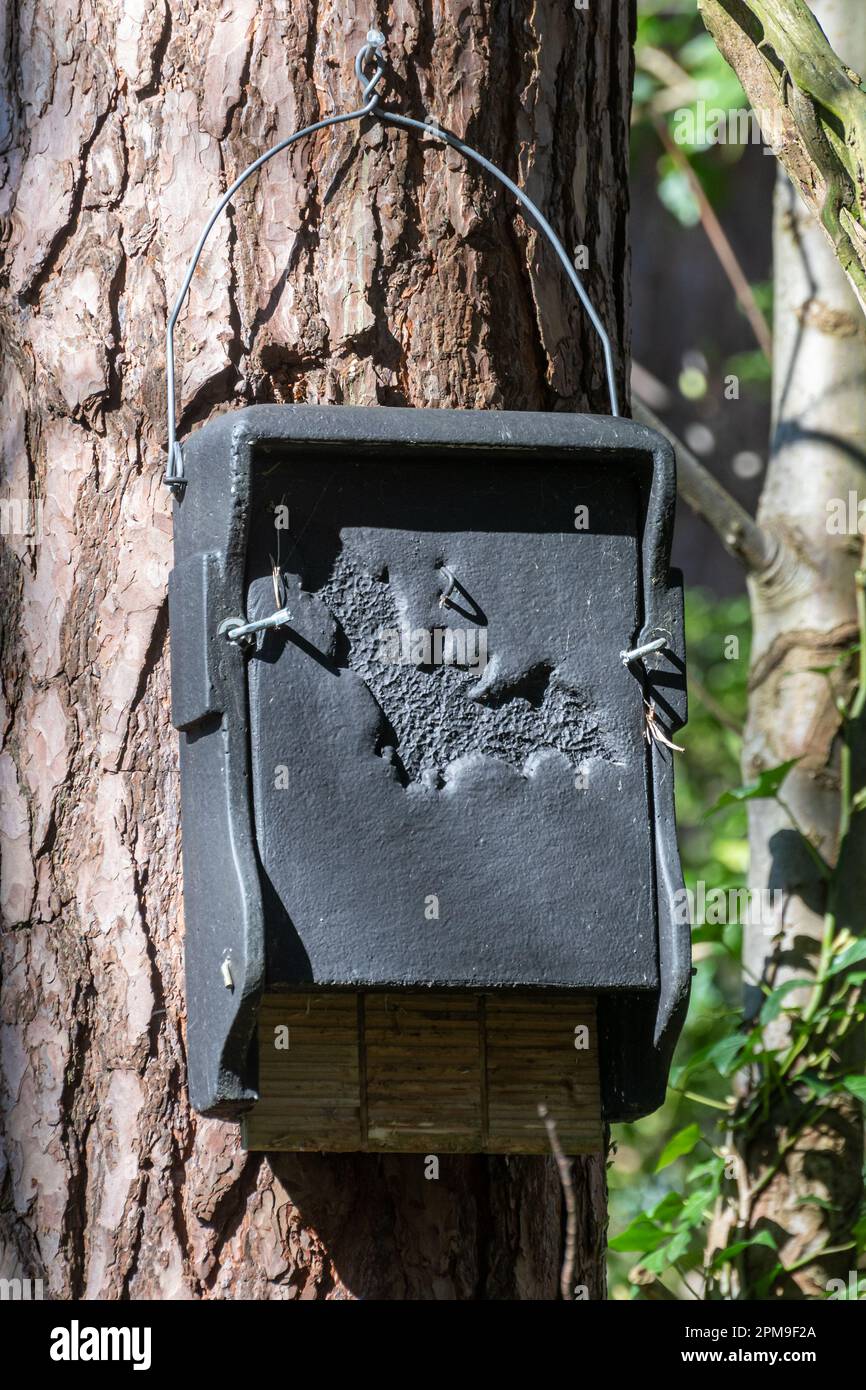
375,44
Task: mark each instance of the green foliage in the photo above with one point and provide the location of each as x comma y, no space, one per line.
679,1169
767,785
680,77
686,94
647,1174
713,852
752,368
681,1144
667,1225
676,194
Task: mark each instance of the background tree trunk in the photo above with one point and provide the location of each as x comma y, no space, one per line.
363,270
804,617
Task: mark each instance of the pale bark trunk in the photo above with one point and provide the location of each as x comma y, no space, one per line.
804,617
371,270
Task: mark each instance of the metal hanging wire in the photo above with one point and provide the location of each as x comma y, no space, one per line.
373,48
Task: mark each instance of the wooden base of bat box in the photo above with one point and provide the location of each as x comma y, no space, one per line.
420,1072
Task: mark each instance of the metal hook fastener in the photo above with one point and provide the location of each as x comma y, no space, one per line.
644,650
375,44
450,585
236,630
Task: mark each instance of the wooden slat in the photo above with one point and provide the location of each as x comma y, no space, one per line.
425,1073
310,1094
423,1082
532,1060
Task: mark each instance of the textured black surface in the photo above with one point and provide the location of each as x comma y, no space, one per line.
515,796
329,795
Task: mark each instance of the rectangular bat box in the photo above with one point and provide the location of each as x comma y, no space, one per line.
430,871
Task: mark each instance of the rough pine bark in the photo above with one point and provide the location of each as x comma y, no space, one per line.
371,269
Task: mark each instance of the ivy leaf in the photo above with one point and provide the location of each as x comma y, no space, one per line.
766,787
680,1144
774,1002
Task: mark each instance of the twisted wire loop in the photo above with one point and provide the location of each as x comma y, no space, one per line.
372,49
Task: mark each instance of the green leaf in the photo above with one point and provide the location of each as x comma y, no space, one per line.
749,366
731,1252
708,933
675,192
766,1281
725,1055
710,1173
669,1207
813,1200
856,951
815,1085
774,1002
666,1255
641,1235
719,1055
766,787
680,1144
695,1209
855,1086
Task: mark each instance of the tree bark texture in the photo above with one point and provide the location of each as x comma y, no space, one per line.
358,268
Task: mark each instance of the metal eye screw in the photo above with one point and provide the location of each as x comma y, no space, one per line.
637,652
236,630
450,585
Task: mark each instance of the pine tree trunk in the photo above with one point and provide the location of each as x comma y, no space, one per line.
371,269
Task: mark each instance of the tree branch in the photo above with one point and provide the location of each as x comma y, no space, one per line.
811,109
739,533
